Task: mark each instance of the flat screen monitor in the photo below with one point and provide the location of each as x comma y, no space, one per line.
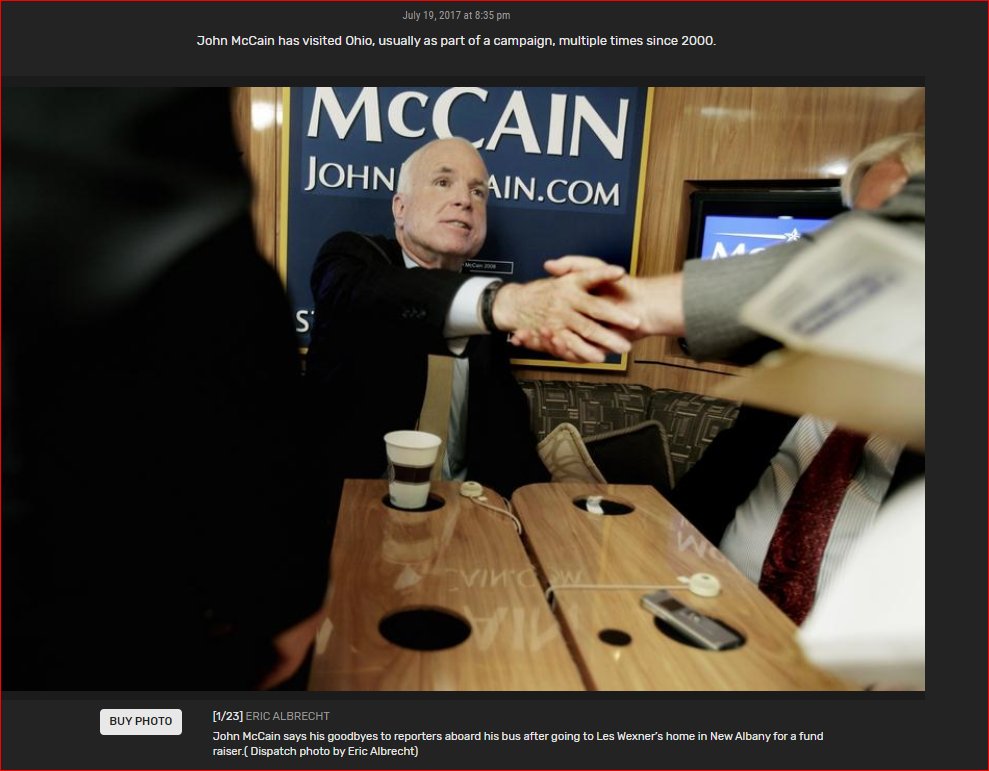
729,222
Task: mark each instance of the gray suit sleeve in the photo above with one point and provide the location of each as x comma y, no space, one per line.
714,291
713,295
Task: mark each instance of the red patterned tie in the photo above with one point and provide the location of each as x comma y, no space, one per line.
793,561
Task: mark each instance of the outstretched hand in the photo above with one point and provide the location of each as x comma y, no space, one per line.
563,316
573,263
657,302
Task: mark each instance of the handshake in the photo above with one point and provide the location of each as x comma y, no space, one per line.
588,309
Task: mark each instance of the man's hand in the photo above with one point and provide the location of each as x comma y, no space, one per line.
562,316
291,645
657,301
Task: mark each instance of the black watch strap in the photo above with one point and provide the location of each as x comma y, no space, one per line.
487,305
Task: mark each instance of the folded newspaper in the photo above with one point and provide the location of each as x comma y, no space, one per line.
850,311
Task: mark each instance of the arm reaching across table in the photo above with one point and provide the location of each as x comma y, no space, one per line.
563,315
638,307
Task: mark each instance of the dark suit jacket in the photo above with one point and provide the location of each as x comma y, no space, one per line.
155,529
376,323
736,459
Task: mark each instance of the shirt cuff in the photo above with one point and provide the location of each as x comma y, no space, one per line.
464,318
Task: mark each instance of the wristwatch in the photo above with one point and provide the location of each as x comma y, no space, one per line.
487,305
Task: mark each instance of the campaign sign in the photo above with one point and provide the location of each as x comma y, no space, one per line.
565,164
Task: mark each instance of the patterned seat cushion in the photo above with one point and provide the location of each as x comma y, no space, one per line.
594,408
690,420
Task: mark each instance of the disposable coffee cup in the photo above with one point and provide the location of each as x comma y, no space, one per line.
411,455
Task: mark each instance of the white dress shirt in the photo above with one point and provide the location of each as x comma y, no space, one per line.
463,320
746,540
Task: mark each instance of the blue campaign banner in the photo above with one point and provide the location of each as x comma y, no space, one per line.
566,172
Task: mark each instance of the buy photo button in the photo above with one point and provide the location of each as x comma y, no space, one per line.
140,722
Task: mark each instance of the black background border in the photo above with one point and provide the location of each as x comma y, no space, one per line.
941,46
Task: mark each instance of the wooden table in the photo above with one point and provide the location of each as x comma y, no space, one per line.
460,558
653,545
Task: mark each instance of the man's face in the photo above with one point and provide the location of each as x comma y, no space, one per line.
442,219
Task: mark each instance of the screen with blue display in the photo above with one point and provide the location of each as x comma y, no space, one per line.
741,219
731,236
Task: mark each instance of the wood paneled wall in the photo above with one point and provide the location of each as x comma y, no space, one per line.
697,134
257,125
